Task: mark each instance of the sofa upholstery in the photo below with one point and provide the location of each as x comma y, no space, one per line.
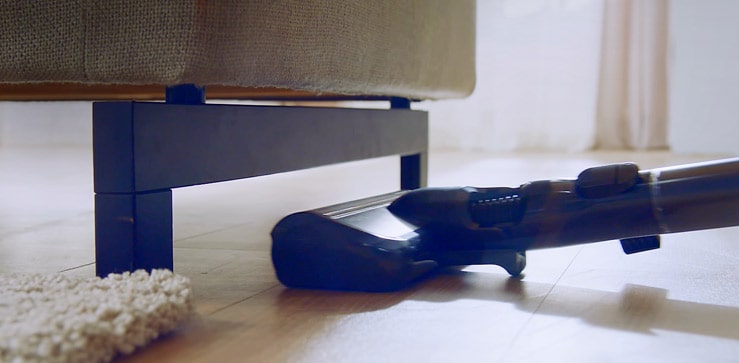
421,49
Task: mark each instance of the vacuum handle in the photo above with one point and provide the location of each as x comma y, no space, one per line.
620,202
607,202
696,196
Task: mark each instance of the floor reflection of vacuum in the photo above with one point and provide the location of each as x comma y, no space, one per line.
386,242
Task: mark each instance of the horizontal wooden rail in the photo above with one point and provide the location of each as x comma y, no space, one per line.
110,92
148,146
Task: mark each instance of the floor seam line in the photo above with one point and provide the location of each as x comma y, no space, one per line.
541,303
242,300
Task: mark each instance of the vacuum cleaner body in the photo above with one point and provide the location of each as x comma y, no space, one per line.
387,242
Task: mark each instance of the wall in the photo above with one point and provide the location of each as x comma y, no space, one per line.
45,123
704,76
537,78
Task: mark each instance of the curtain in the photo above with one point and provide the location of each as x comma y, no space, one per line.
632,97
564,75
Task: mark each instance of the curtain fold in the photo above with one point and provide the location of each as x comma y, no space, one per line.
632,97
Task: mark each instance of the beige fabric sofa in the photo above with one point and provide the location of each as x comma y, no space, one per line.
398,50
411,48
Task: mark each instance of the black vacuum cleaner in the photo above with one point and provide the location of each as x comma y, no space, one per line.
387,242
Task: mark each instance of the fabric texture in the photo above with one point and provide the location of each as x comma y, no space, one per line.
414,48
54,318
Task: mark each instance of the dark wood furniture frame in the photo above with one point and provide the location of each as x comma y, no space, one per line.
142,150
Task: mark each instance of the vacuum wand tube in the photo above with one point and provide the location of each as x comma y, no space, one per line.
604,203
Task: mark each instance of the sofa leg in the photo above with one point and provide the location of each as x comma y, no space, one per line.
413,168
413,171
133,231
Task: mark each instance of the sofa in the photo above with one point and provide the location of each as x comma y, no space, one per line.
182,52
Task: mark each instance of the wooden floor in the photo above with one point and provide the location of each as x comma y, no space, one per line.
577,304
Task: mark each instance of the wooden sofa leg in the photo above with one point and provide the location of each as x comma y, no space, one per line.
133,231
413,171
414,167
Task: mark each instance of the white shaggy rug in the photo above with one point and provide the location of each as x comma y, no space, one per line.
55,318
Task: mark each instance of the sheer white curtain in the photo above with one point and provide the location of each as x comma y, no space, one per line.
562,75
632,98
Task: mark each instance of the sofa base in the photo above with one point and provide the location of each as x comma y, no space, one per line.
142,150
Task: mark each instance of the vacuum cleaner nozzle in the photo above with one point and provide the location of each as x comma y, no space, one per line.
357,246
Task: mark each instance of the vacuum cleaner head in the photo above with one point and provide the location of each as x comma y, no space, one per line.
357,245
363,246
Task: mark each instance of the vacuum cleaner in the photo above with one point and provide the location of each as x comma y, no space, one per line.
388,242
